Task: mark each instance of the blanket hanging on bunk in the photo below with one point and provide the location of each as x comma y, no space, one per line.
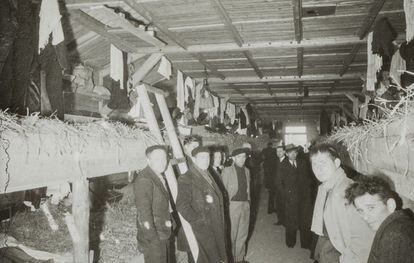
50,24
374,65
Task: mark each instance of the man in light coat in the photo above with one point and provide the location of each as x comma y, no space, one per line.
236,180
343,236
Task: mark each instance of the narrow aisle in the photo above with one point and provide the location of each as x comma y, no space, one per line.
267,244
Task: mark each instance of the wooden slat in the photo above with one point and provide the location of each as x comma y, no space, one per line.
273,45
370,18
144,12
315,77
212,69
99,28
138,32
297,19
300,61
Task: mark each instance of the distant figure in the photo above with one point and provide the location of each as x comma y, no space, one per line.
280,203
200,202
153,207
269,168
343,236
236,179
216,169
295,181
376,203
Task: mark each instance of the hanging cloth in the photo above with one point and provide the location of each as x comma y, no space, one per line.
397,66
374,65
223,108
189,88
165,68
231,112
180,91
206,101
50,23
216,103
246,114
409,19
198,89
117,66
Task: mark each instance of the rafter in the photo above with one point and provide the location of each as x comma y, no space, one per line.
101,29
212,69
271,79
297,19
362,32
286,94
233,87
300,61
127,26
282,44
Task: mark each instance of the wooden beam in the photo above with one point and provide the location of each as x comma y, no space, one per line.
355,104
300,61
156,91
253,63
269,90
370,18
138,32
207,65
80,211
282,44
297,19
233,87
140,74
315,77
101,29
227,22
282,105
285,94
350,58
145,13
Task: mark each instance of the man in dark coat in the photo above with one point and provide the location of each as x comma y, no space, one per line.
153,207
376,203
200,202
269,169
279,203
296,184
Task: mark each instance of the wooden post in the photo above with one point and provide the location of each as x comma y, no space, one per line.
145,68
355,104
172,135
45,107
80,211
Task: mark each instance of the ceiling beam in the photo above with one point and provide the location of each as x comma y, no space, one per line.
282,44
362,33
233,87
270,79
227,21
213,70
370,18
299,52
127,26
253,63
305,104
78,4
101,29
269,90
297,19
235,34
145,13
290,94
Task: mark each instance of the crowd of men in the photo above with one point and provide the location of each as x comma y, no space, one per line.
338,219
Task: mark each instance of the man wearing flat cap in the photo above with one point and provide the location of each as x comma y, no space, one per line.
296,184
153,207
236,180
200,202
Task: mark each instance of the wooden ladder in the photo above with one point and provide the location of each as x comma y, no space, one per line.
142,91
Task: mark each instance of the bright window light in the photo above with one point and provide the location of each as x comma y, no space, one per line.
296,135
295,129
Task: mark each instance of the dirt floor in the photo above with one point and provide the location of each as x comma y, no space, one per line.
267,244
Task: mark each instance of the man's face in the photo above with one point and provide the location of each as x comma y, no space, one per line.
157,160
372,209
240,159
189,147
202,160
217,157
323,166
280,153
292,154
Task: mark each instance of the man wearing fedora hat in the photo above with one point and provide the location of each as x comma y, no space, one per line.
236,180
200,202
153,207
295,182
